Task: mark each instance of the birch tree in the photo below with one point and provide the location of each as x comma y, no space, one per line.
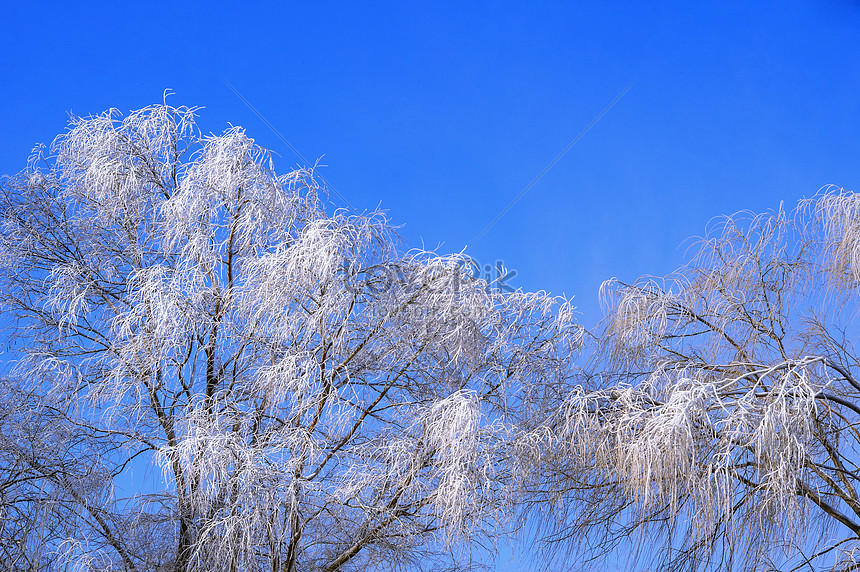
313,398
717,424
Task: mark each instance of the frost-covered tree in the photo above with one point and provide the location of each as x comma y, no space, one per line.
313,398
717,425
51,482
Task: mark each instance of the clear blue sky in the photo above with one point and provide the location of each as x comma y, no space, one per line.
442,112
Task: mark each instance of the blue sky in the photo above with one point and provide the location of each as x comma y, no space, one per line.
441,113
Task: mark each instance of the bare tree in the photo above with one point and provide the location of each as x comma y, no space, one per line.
716,426
52,481
314,398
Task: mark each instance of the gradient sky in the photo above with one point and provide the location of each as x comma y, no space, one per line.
442,112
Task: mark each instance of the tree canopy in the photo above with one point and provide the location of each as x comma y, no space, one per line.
715,426
313,397
210,367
